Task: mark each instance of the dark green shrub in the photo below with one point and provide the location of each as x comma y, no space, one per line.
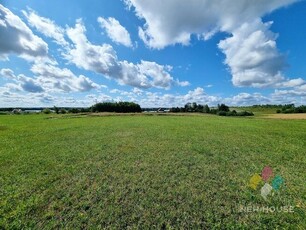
56,109
213,111
175,110
223,107
206,109
63,111
222,113
74,110
46,111
291,110
231,113
245,113
118,107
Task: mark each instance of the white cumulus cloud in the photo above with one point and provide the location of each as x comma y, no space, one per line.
48,78
16,37
57,79
103,59
173,21
21,82
252,55
46,27
245,99
115,31
251,51
172,100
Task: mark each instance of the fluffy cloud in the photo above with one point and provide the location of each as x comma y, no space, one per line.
48,79
115,31
9,99
293,91
100,59
29,84
169,100
46,27
103,59
157,99
298,82
22,82
50,71
7,73
290,93
173,21
251,51
252,55
75,84
16,37
244,99
56,79
157,72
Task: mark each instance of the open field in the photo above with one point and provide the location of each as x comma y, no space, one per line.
292,116
148,171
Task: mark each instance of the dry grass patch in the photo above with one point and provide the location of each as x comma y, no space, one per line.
293,116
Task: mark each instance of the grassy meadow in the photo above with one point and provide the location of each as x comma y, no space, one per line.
148,171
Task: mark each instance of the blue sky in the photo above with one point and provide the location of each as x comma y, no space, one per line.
156,53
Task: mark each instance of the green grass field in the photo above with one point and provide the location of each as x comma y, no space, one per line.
148,172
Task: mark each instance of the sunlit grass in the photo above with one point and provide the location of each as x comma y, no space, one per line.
147,171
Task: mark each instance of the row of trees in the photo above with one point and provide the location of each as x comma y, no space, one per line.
59,110
267,106
290,108
125,107
191,108
118,107
221,110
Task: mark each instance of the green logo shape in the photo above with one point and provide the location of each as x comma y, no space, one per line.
277,182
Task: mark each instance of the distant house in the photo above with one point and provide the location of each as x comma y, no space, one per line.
32,111
16,111
162,110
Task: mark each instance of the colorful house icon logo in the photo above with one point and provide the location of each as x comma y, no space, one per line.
271,182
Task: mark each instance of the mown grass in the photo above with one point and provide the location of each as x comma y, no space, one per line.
148,172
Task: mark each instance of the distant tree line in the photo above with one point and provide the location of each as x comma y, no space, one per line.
6,109
290,108
267,106
61,110
124,107
221,110
117,107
